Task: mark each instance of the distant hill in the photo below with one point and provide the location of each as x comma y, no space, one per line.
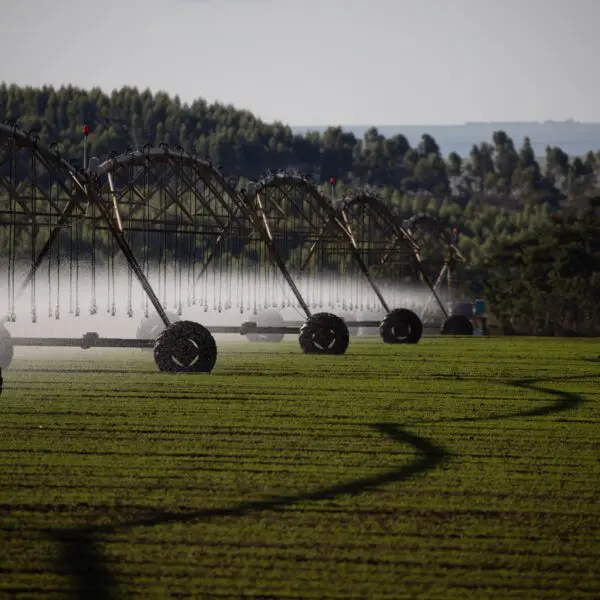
576,139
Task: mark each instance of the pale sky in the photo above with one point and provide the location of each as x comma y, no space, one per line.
316,62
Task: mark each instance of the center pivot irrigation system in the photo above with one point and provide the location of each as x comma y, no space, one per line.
192,237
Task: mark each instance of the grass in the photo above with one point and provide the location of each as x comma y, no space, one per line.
456,468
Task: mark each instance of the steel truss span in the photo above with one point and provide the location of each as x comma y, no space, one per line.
194,239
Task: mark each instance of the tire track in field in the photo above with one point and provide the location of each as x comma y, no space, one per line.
82,557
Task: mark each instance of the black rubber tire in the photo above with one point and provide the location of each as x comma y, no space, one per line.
7,348
401,326
324,333
150,328
267,318
457,325
185,347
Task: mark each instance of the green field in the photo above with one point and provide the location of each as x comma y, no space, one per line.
458,468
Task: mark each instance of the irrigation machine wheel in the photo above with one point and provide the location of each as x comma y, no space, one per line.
267,318
401,326
185,347
7,349
324,333
457,325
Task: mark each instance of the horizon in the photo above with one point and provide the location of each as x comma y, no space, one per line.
465,123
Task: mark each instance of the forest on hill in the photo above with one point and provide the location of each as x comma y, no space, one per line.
531,231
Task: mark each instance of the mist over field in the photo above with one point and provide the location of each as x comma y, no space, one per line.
218,299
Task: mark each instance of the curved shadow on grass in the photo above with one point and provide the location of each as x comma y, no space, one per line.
93,581
82,558
565,401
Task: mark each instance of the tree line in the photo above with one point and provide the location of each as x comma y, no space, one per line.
502,198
